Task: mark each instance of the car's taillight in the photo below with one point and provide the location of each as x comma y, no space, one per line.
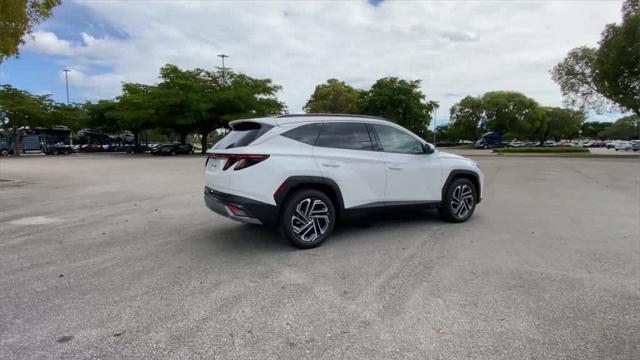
241,161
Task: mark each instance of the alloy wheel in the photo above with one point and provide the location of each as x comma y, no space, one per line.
310,219
462,201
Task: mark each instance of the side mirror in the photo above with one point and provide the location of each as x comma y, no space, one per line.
428,149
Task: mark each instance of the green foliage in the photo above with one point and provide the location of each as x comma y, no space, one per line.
334,97
594,129
626,128
568,149
561,123
446,133
73,116
17,19
202,101
509,113
401,101
186,102
97,116
133,109
20,108
609,74
468,119
512,114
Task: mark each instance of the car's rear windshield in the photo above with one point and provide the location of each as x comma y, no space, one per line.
242,134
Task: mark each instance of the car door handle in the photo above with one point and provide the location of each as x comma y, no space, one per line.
395,167
331,164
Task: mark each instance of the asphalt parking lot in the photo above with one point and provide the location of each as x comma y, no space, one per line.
115,256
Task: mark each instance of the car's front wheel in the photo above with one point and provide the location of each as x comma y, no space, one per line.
308,218
459,201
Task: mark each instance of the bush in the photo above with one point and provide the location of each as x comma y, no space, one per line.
569,149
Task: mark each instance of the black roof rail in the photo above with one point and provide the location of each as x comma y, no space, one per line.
333,115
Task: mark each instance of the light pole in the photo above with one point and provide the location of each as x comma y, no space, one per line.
435,124
66,79
224,75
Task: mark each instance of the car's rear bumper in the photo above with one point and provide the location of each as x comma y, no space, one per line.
256,212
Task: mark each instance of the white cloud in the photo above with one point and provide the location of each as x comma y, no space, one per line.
455,48
48,43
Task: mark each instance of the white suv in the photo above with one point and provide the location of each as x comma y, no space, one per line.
303,172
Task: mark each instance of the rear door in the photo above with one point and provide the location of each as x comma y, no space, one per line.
344,153
412,175
242,134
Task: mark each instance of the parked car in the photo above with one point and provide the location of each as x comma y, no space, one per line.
611,144
635,145
172,149
490,140
135,149
58,149
91,148
303,172
623,145
516,143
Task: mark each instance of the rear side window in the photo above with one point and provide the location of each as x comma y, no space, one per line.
242,134
353,136
305,133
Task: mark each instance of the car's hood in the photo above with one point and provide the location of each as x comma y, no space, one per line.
448,155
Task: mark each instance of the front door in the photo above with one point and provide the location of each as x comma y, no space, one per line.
412,175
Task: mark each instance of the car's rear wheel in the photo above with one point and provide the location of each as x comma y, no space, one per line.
308,218
459,201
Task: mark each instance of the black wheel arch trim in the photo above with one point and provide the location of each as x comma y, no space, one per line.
296,182
462,173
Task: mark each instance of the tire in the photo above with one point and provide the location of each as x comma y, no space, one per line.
55,152
173,153
308,218
4,153
459,188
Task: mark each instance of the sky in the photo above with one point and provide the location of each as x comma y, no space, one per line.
456,48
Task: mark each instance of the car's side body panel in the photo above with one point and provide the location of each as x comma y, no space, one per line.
359,174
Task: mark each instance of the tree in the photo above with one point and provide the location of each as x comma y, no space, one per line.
97,117
133,110
560,123
400,101
235,96
333,97
512,114
609,74
447,132
202,101
594,129
468,119
178,97
72,116
626,128
17,19
19,108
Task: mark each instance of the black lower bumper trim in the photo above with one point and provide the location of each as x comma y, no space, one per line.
255,210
